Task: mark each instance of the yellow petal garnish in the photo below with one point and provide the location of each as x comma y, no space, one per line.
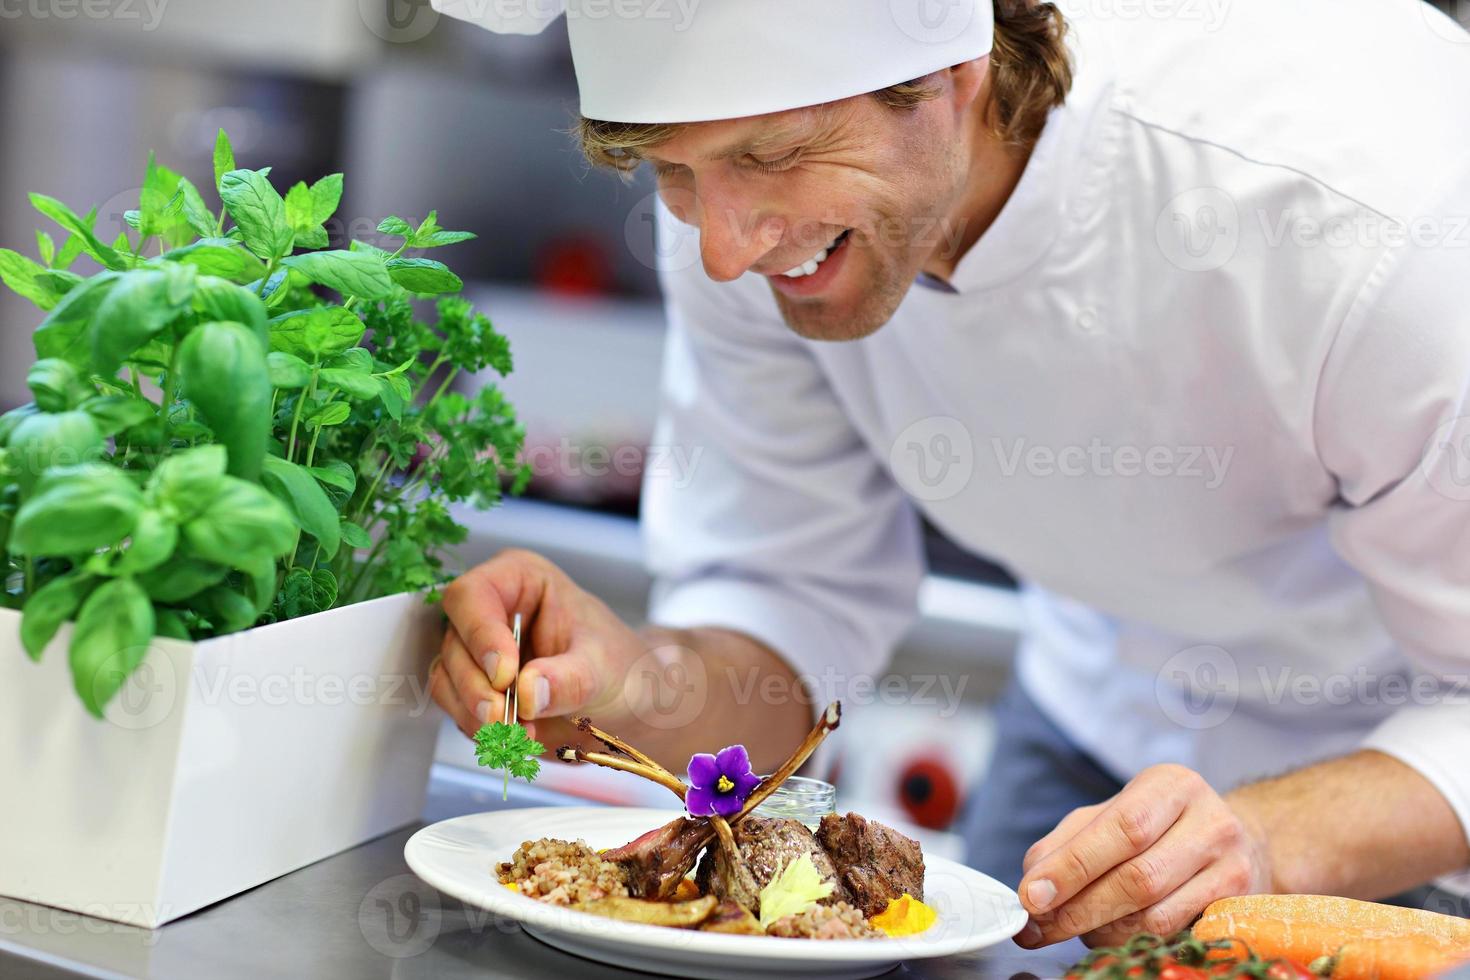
513,886
793,889
905,916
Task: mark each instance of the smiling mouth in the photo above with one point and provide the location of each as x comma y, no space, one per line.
814,263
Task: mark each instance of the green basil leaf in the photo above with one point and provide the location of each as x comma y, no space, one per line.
221,257
258,211
64,332
113,631
287,370
76,510
424,276
305,592
259,576
181,579
316,333
171,624
226,609
46,440
118,413
242,521
80,230
55,384
225,377
220,299
185,482
333,413
353,383
354,536
349,273
364,247
137,307
45,247
300,491
50,606
152,543
335,473
224,158
12,419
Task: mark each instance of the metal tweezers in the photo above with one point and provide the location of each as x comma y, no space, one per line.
512,694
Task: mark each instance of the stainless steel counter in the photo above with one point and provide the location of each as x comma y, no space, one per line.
362,915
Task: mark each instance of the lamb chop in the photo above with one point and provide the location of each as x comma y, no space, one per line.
659,859
764,845
874,863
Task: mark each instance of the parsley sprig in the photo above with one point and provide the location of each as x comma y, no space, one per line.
509,747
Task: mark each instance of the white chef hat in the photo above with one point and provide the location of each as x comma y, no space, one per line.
672,61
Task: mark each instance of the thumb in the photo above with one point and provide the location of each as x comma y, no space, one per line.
560,684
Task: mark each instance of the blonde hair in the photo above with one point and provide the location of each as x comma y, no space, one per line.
1030,74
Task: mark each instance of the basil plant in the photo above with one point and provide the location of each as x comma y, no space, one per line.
234,424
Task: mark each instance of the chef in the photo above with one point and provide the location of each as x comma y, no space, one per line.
1165,306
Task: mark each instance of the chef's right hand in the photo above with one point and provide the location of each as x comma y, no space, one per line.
576,650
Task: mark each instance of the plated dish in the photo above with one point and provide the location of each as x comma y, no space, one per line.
717,890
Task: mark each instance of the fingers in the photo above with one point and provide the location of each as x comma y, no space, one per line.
1128,825
481,605
1227,877
1064,832
482,702
1138,884
560,685
441,689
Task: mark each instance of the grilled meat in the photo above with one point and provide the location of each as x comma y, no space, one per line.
657,861
875,863
765,844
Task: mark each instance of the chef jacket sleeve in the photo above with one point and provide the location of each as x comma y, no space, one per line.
1393,426
763,509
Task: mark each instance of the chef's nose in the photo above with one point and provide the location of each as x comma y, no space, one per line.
733,233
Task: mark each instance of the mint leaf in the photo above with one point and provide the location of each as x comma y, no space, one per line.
326,195
316,333
424,276
224,158
259,212
353,274
80,230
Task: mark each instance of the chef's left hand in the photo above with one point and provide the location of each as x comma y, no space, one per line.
1148,860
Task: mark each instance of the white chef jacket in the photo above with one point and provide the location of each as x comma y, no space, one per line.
1183,387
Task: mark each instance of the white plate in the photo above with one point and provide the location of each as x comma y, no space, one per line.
459,856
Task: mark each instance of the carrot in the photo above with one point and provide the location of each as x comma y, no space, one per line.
1305,927
1400,958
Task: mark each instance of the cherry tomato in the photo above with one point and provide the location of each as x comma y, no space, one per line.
1175,971
1287,970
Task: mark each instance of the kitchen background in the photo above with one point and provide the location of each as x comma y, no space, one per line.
421,112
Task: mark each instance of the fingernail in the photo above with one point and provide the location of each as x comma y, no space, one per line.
541,689
1030,936
482,712
491,661
1042,893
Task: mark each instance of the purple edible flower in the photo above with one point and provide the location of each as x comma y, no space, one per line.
720,783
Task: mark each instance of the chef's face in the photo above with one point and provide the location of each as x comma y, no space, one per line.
871,187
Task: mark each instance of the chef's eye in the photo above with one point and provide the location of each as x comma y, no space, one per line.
772,165
666,169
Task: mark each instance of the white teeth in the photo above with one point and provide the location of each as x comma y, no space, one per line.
810,265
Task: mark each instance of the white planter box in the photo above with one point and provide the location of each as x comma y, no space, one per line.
220,765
